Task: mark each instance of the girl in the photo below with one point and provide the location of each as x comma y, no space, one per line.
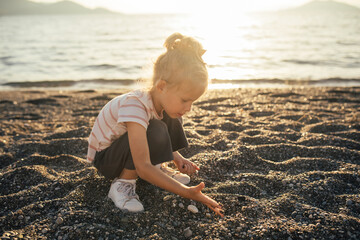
136,132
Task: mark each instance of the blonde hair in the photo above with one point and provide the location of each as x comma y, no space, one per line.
182,62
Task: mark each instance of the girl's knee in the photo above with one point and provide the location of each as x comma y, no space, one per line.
157,124
157,134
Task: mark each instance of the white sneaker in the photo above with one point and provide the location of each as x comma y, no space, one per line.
122,193
178,176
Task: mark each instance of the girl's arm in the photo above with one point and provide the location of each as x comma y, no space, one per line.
141,157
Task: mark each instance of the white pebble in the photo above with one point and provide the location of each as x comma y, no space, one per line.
181,205
167,197
192,209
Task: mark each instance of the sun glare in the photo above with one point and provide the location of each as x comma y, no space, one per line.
218,32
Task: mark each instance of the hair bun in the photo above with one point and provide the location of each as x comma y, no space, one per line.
184,43
181,62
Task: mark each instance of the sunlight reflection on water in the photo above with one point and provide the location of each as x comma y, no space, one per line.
257,46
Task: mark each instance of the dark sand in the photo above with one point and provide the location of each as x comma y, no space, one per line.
283,162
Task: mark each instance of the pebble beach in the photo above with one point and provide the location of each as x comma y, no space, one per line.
283,162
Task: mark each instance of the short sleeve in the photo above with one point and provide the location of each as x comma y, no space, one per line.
132,110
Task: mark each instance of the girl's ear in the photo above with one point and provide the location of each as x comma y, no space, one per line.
160,85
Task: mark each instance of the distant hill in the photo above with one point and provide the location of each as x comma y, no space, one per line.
24,7
324,7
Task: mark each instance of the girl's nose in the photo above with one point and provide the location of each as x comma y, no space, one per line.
188,107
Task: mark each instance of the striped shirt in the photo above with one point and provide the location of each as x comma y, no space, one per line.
136,106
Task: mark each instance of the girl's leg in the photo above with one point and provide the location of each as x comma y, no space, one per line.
159,144
122,190
163,137
178,141
176,132
116,162
128,174
111,161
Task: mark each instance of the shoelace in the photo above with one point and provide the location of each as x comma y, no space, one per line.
127,188
169,171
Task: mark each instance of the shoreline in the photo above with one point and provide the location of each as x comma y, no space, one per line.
105,84
284,163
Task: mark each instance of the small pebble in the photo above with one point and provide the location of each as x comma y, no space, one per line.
192,209
59,220
124,220
181,205
241,198
167,197
176,223
187,232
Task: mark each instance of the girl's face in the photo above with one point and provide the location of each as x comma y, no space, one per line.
177,100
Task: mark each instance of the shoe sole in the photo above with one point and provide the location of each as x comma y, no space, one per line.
125,210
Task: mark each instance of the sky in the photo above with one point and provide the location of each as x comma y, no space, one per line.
193,6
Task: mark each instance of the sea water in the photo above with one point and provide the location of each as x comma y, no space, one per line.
87,50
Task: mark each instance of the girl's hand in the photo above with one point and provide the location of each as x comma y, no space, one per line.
197,195
186,166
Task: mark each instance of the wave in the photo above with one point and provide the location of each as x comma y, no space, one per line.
309,62
70,83
347,43
107,66
5,60
324,63
104,83
101,66
292,82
